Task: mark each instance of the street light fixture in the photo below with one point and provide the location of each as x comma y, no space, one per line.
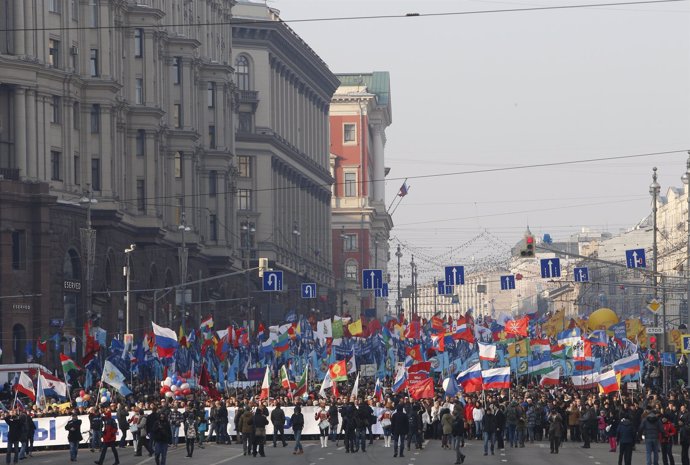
127,274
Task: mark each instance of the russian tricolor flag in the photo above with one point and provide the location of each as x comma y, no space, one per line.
471,379
400,382
628,365
496,378
166,340
608,382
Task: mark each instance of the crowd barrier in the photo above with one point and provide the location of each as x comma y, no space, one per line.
50,432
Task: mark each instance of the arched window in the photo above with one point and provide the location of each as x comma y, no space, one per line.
351,270
242,72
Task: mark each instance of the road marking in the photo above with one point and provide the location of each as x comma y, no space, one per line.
220,461
329,453
597,463
591,457
503,460
503,455
321,458
341,448
413,459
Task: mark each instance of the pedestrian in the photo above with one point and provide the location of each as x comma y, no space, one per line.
260,422
162,437
489,429
334,421
24,437
74,437
322,418
361,423
399,429
297,420
477,417
446,423
458,434
555,431
143,441
684,440
512,416
134,429
14,432
385,420
109,438
175,418
190,428
222,424
625,436
349,427
246,428
667,435
651,430
95,428
278,422
500,427
122,423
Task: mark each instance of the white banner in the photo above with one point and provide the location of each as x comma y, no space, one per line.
51,432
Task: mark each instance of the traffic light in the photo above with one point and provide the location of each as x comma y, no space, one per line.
527,250
652,342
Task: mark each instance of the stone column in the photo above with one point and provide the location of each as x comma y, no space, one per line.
20,131
32,162
106,151
29,45
379,171
19,27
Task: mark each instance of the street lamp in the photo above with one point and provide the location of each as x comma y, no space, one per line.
88,243
182,257
398,302
127,274
686,180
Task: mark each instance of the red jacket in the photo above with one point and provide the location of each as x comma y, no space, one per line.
668,433
110,432
469,408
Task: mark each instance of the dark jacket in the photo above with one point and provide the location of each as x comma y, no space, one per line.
278,417
73,428
458,425
222,414
399,422
297,419
162,432
625,433
260,422
651,428
15,426
489,422
333,414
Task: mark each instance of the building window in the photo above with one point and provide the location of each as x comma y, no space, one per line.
74,8
349,133
93,60
54,53
139,91
244,165
244,199
350,242
177,70
351,270
350,184
141,195
141,143
75,116
54,6
96,174
138,43
95,118
179,171
246,122
55,165
212,136
19,250
93,6
77,170
55,107
242,72
177,115
212,183
213,227
211,94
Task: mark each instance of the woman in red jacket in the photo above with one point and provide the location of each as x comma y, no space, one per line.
109,438
667,434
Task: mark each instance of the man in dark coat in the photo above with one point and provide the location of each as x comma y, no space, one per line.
625,437
14,434
260,421
399,429
162,438
74,436
278,422
348,413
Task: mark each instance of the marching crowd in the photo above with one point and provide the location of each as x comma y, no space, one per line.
499,420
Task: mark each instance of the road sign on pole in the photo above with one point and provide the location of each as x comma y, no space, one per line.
635,258
507,282
581,274
455,275
686,343
654,330
273,281
383,292
308,290
550,267
372,279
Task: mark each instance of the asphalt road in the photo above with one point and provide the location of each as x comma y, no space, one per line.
314,454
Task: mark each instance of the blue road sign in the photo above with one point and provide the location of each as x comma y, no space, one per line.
668,359
308,290
507,282
581,274
550,267
273,281
635,258
441,287
383,292
372,279
455,275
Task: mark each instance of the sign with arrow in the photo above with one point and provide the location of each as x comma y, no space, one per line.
372,279
443,289
550,267
581,274
308,290
635,258
455,275
273,281
507,282
383,292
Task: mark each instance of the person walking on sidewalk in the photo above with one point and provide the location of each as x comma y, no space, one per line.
109,438
74,437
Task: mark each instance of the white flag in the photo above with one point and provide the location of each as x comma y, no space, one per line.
325,385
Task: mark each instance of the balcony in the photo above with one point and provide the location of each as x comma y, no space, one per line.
249,96
11,174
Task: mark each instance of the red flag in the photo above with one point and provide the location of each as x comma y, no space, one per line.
517,327
205,382
421,366
92,346
413,330
414,352
422,389
437,324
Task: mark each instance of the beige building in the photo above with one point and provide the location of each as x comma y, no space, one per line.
284,181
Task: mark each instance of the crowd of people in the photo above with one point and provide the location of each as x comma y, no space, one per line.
499,420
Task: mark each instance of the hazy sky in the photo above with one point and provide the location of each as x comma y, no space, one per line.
503,89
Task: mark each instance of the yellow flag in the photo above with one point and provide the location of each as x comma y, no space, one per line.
555,324
634,328
519,349
355,328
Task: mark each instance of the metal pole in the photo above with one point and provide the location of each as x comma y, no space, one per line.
686,180
398,302
127,270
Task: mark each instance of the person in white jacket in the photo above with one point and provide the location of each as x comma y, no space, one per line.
477,417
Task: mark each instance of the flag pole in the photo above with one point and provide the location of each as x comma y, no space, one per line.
16,393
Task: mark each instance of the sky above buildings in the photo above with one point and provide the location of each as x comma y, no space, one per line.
490,91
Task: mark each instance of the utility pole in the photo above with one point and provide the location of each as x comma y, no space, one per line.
686,180
88,244
398,302
413,269
182,254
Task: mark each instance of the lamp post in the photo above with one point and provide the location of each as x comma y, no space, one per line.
248,229
398,301
182,257
654,189
127,273
297,234
686,181
88,242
